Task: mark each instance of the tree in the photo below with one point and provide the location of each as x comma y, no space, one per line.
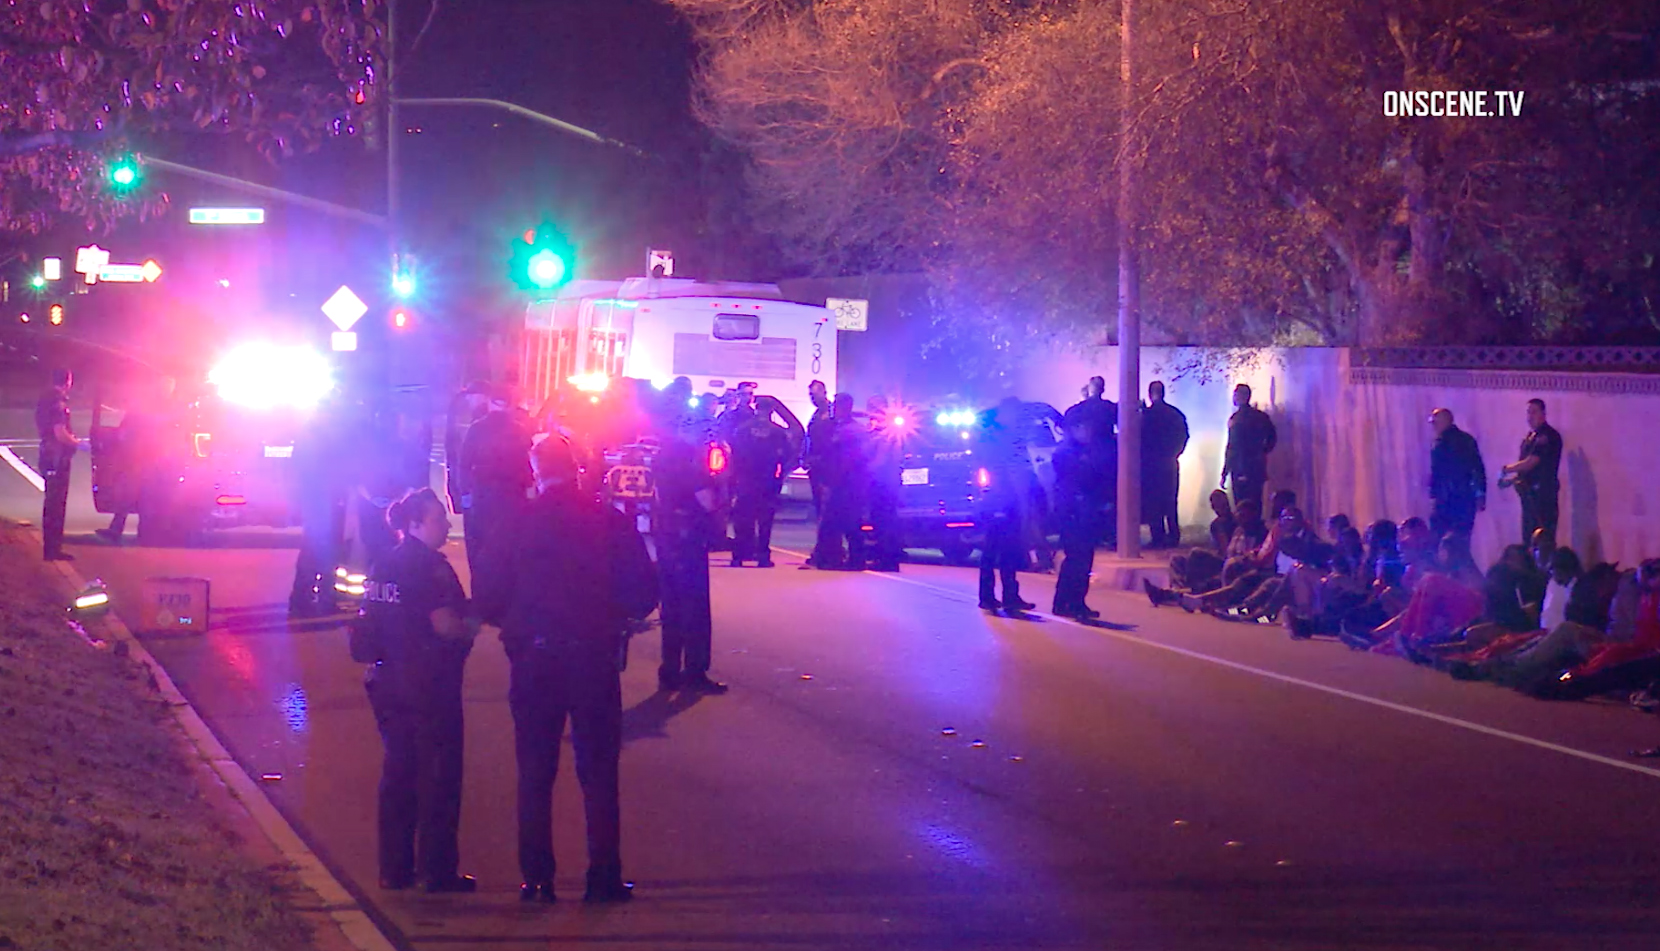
977,140
81,81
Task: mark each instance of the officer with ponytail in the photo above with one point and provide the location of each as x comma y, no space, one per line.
414,630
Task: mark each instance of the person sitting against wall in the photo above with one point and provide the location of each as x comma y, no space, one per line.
1441,605
1256,585
1631,658
1201,569
1573,626
1511,593
1222,526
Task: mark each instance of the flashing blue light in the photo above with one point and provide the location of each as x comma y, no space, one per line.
943,419
403,285
692,402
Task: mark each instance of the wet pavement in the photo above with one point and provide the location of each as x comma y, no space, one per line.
895,769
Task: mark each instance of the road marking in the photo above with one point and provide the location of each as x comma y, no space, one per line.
1300,682
22,468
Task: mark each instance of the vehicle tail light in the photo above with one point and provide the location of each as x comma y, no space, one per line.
959,524
232,500
201,442
717,460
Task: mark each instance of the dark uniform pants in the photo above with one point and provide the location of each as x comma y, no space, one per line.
1454,520
1161,486
841,524
1250,487
1079,530
753,509
420,780
54,506
884,524
688,622
319,552
488,519
546,688
1001,556
1539,510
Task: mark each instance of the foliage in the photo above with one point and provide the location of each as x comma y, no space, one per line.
83,81
980,140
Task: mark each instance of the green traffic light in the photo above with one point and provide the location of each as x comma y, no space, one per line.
123,173
547,269
544,260
37,281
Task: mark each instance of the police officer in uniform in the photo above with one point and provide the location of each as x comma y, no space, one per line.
885,459
1008,470
762,451
1535,474
413,628
495,458
562,587
1080,505
57,454
321,478
682,526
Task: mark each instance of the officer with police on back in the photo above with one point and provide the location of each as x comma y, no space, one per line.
562,586
413,628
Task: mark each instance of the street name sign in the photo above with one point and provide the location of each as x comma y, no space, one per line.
227,216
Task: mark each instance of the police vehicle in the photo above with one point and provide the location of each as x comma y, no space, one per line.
942,482
218,455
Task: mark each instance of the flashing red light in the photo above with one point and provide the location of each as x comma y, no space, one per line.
983,477
361,99
231,500
959,524
400,320
717,460
529,236
899,421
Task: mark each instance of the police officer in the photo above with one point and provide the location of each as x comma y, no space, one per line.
321,479
1080,506
495,461
885,457
562,587
1008,469
682,525
815,449
1535,474
414,630
466,408
761,455
57,453
842,461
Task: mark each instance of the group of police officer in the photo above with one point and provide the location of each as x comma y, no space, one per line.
562,578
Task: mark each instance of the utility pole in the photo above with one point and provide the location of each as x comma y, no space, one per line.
393,135
1129,307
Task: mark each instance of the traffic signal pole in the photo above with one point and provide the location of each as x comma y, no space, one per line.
266,191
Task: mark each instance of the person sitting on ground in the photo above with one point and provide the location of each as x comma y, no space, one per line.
1281,500
1440,605
1202,569
1322,596
1336,524
1222,526
1620,665
1251,580
1574,625
1351,551
1382,544
1418,547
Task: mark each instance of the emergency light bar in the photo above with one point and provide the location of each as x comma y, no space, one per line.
961,417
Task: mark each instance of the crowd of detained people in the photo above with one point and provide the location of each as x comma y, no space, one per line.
1538,620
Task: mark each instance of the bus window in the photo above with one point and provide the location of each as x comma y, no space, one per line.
737,327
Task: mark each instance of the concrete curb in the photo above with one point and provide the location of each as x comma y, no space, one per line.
353,922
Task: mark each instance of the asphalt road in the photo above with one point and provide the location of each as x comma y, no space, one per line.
895,769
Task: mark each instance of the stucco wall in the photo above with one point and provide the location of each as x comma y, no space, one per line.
1357,441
